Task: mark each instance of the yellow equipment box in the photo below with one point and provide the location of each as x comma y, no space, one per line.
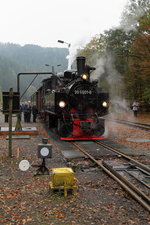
63,178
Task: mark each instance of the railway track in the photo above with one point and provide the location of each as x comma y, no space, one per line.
133,176
130,123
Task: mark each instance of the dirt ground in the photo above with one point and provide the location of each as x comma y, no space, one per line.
26,199
121,133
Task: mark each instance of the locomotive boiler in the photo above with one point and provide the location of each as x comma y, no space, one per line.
73,104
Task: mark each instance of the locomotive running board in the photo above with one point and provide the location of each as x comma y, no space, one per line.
81,138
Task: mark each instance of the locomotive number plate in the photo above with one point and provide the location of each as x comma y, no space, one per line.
83,92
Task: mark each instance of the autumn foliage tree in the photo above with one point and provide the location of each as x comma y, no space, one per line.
128,46
138,74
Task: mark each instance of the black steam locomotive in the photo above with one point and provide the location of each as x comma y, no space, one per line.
73,104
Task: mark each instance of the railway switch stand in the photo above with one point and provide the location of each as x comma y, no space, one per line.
44,151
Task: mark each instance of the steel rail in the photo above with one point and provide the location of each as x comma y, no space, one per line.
132,186
142,182
125,156
122,182
130,123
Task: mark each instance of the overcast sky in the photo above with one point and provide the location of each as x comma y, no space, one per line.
43,22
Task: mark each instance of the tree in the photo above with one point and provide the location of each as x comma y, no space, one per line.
137,76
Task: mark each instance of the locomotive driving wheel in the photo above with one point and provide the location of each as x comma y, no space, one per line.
65,129
99,128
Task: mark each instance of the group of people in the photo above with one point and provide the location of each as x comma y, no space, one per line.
27,110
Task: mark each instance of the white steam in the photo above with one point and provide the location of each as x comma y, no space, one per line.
100,68
105,67
74,48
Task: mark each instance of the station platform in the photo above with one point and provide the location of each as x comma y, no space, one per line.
24,131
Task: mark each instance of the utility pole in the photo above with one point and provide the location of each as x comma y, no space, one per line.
10,121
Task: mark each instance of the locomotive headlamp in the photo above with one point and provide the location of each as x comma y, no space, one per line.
104,104
44,151
62,104
84,76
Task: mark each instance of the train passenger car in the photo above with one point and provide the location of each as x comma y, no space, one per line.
73,104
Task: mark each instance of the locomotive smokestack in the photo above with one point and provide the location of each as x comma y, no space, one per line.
80,64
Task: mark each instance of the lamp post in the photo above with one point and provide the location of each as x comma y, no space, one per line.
69,60
62,42
52,67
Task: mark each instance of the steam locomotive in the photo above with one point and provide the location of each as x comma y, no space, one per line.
73,103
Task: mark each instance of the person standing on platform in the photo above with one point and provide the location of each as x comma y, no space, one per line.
25,112
6,118
135,108
29,112
34,113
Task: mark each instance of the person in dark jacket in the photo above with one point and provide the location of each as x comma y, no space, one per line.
29,109
25,112
34,113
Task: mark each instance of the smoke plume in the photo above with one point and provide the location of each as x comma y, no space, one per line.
74,48
105,67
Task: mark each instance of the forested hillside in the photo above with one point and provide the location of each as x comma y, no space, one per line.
16,59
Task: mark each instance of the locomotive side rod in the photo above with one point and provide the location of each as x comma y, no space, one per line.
129,188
